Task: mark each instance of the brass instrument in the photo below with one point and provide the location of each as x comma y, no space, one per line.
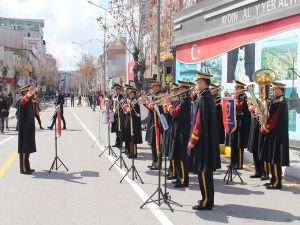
168,97
230,94
263,78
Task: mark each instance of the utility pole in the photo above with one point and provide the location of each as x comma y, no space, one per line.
158,40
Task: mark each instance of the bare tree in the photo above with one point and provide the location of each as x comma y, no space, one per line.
87,70
130,27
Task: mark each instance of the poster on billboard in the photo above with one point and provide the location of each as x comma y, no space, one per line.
241,63
187,72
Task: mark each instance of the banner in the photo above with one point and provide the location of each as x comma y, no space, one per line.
229,114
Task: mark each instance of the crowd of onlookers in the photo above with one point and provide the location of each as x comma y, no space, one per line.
92,99
6,101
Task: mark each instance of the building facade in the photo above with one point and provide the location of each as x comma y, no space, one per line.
233,39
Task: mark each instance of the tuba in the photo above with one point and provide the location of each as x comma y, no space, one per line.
263,78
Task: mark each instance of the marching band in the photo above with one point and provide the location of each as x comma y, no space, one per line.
186,123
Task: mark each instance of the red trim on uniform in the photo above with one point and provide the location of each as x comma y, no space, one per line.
196,130
175,112
272,122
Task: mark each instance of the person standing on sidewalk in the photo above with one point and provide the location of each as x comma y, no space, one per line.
72,99
59,102
3,110
26,138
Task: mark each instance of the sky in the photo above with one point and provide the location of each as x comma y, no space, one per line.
66,21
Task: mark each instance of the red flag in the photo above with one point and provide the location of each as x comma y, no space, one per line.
58,124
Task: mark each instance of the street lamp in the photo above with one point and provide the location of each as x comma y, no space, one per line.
104,39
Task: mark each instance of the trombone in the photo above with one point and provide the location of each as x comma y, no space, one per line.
173,96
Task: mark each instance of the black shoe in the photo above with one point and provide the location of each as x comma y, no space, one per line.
267,184
200,207
171,177
176,182
278,187
26,173
115,145
180,185
255,176
31,170
154,168
50,128
264,178
42,128
64,128
150,166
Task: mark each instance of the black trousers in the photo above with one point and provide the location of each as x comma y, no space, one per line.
133,150
72,102
62,118
183,170
276,172
2,122
39,120
237,157
266,169
206,183
257,164
24,162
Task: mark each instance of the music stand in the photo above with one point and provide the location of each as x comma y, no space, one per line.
162,197
135,173
56,158
230,170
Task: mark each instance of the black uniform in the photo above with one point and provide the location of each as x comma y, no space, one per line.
253,145
118,121
153,132
59,102
180,137
133,130
26,138
275,142
206,146
239,138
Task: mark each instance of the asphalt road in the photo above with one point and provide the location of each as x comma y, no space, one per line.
91,194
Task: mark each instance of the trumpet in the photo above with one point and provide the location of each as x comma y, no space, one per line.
229,94
173,95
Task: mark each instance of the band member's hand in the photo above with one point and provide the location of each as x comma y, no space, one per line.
142,93
190,146
168,102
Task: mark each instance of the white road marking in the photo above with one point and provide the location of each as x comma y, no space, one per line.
6,140
161,217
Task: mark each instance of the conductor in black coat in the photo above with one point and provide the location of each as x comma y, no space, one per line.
204,142
26,137
59,102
